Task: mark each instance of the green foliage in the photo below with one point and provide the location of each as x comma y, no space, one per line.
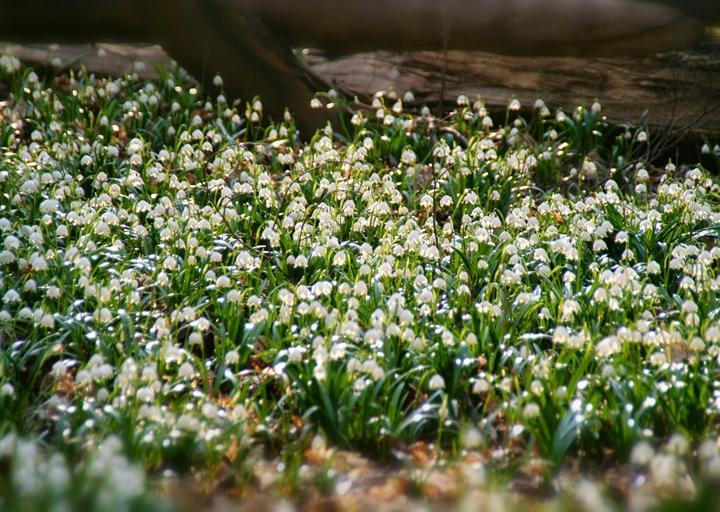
201,287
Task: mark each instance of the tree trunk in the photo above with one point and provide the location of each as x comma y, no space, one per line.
212,37
509,27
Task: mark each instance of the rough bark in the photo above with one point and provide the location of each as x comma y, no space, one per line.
102,58
680,89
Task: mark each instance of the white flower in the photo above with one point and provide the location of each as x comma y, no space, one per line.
60,368
608,346
7,389
11,297
426,296
472,438
103,315
102,228
653,267
569,309
162,279
186,371
6,257
12,243
339,259
49,206
39,264
232,357
436,382
170,263
408,157
531,410
320,372
47,321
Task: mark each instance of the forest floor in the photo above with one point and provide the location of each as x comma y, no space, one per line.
202,308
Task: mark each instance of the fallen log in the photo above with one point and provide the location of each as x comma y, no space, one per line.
680,90
107,59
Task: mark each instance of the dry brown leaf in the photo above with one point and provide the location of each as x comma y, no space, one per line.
393,489
232,450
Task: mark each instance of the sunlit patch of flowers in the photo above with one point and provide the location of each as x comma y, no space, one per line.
199,284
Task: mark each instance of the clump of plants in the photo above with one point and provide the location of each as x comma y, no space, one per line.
203,294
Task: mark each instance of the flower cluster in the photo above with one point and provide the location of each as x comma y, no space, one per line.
179,273
105,480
